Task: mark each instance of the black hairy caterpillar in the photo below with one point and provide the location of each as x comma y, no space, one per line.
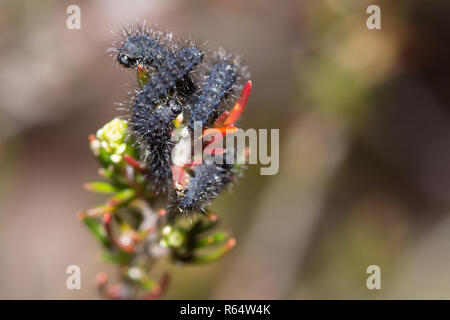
207,182
152,114
170,92
152,127
151,121
143,46
154,48
142,49
218,84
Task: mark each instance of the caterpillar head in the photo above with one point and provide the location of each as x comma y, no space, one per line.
175,108
130,53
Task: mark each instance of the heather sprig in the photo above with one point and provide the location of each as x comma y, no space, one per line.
132,225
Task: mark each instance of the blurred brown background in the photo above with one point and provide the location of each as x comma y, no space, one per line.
364,123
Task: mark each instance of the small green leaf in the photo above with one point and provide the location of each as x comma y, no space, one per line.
104,158
215,238
147,284
215,254
122,197
97,228
101,187
202,226
117,179
119,256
